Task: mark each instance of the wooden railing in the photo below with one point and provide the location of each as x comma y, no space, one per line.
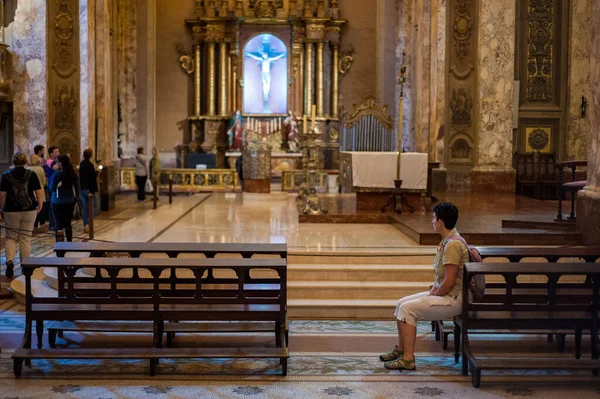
187,180
291,180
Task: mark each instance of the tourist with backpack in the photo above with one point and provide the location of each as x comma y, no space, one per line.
65,192
21,198
444,299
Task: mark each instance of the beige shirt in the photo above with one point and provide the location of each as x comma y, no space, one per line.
450,253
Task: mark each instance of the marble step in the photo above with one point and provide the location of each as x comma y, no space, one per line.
358,272
357,290
381,309
400,256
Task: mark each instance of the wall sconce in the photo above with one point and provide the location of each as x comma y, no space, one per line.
583,106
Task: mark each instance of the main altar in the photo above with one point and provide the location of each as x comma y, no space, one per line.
256,69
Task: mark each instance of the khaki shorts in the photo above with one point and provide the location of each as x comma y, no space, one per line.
423,306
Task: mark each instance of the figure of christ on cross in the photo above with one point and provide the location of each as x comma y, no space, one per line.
266,60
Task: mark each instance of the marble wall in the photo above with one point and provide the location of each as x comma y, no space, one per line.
29,74
578,128
496,56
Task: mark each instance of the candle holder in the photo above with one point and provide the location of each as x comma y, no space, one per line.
313,204
303,191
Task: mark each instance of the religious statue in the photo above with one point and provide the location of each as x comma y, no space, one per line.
291,130
235,134
266,57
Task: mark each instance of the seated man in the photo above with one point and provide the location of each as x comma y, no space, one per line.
444,299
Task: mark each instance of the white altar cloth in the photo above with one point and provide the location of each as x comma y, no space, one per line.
378,170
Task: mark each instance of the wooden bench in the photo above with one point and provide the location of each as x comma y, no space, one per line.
443,329
155,299
525,306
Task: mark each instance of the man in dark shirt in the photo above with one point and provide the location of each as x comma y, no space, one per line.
88,184
21,199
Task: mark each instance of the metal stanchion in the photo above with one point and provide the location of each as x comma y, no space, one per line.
170,189
90,211
155,196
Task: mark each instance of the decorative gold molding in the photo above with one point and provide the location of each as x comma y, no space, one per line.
346,61
370,107
463,29
540,41
265,9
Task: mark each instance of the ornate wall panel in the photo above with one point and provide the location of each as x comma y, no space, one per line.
64,76
461,84
542,70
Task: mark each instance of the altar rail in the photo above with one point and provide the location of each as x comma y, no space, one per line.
187,180
291,180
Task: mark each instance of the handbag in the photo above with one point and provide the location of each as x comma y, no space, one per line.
149,187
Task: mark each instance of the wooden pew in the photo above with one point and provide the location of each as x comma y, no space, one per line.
444,329
158,300
531,306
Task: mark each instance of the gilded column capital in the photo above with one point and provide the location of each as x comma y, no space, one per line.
198,34
315,30
215,32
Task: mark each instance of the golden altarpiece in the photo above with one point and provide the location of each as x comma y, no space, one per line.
288,48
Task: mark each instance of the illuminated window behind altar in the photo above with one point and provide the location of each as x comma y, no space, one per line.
265,75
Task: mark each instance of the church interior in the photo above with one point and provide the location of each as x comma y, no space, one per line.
270,179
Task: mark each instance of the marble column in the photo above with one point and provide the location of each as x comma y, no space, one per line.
85,121
422,75
438,80
494,111
28,48
406,40
588,202
103,81
578,128
127,71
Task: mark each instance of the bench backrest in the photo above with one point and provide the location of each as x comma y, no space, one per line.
551,295
160,284
588,254
135,249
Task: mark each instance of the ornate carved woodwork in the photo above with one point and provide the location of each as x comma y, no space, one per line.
540,47
461,107
63,76
462,29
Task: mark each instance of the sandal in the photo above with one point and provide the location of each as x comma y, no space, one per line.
401,364
393,355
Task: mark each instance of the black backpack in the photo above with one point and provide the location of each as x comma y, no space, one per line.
20,191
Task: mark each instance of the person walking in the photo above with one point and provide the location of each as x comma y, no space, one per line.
21,199
34,166
88,183
155,169
51,167
141,173
65,191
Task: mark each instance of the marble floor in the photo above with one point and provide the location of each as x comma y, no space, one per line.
273,218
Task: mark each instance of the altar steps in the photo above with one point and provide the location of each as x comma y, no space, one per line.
344,285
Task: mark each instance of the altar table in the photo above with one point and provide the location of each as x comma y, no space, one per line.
371,175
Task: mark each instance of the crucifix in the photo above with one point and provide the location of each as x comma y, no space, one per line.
266,56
